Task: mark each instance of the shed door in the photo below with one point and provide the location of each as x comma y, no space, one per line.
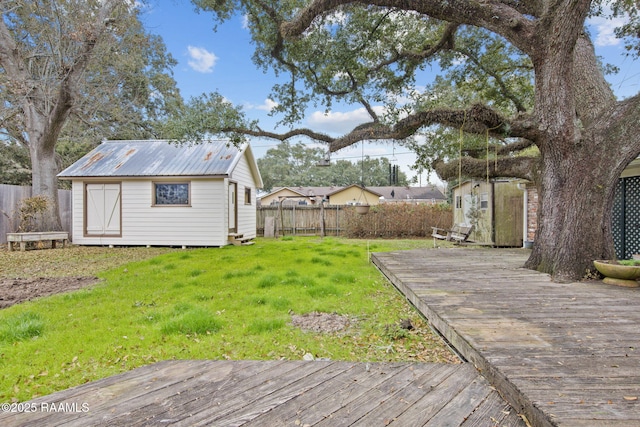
102,210
233,207
508,217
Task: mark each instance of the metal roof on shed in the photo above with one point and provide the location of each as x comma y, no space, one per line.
155,158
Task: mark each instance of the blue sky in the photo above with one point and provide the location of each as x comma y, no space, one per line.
221,61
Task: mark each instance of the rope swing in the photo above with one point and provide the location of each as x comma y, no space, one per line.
362,209
487,155
487,151
461,140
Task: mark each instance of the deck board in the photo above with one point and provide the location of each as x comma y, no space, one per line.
280,393
565,354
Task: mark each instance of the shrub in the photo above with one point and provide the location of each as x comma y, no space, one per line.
396,220
29,214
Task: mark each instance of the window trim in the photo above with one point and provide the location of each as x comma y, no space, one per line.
154,185
247,196
458,202
484,201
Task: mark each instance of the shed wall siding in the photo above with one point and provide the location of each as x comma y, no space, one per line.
144,224
77,210
246,212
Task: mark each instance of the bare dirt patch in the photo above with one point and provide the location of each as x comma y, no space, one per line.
15,291
32,274
320,322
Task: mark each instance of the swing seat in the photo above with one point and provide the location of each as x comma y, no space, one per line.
458,233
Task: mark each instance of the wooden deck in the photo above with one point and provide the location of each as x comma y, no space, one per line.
276,393
563,354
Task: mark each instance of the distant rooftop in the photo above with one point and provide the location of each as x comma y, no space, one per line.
389,193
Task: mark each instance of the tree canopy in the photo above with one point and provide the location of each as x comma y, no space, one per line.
297,165
78,71
517,75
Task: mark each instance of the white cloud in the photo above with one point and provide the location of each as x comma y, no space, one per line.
339,122
267,105
201,60
604,29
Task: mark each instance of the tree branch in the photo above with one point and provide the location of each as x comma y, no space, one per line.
446,41
500,17
499,149
65,98
317,136
619,123
477,119
512,167
504,87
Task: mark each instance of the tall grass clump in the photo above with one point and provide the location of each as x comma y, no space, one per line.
21,326
192,321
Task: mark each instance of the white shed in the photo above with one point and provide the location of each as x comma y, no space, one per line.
159,193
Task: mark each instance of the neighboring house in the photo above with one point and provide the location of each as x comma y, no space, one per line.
424,195
495,209
353,195
294,195
158,193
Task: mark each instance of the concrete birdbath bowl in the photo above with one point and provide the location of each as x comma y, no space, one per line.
619,274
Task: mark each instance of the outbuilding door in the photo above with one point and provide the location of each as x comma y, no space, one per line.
103,210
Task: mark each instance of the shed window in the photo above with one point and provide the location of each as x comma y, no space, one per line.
458,202
247,195
484,201
171,193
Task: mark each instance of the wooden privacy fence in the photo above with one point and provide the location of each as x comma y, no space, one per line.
10,198
301,220
389,220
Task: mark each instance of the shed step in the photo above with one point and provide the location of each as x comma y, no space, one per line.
239,239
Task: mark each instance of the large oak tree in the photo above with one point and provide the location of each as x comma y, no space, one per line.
77,71
372,53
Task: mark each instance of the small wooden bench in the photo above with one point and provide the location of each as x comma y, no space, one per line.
23,238
458,233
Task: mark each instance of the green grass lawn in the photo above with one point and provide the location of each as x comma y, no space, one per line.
220,303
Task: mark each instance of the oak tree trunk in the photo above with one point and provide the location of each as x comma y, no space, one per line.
586,139
45,183
574,216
